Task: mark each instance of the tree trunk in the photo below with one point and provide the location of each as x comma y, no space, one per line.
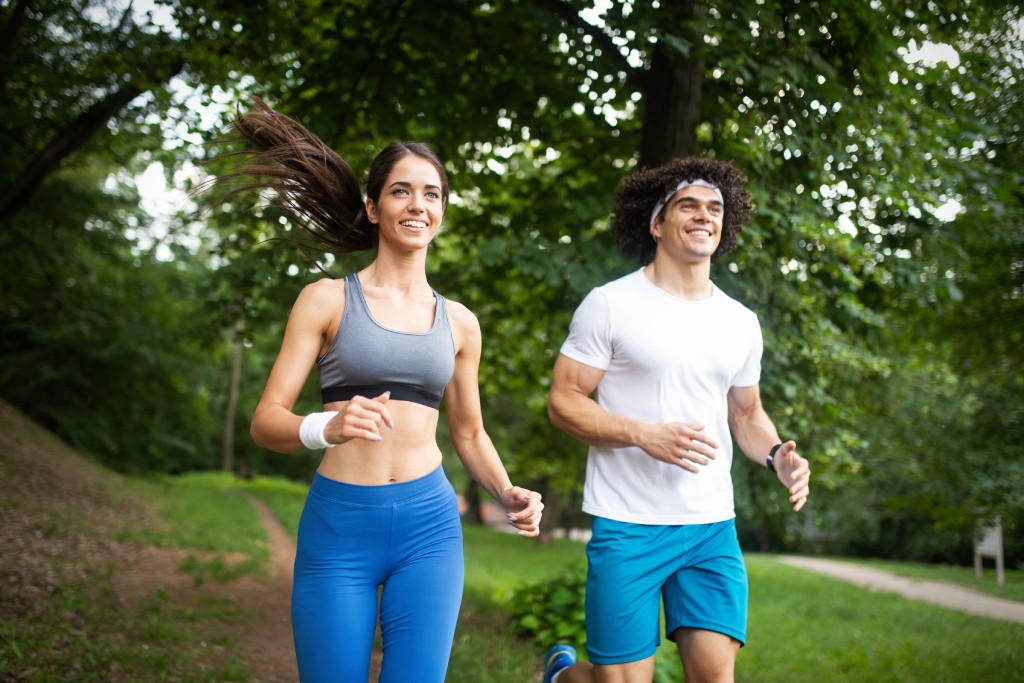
472,496
227,448
672,91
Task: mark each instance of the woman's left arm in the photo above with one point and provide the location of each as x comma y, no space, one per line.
471,441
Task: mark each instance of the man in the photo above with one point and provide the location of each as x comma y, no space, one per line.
673,365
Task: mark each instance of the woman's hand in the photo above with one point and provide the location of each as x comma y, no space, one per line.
361,418
524,510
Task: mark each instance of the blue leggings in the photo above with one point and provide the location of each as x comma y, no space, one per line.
406,537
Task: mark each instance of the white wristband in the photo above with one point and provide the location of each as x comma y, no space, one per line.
311,431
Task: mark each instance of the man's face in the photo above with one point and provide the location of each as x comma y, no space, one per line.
690,226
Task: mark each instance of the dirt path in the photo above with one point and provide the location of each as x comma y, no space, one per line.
935,592
267,643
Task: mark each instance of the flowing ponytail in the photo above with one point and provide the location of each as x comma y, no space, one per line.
314,186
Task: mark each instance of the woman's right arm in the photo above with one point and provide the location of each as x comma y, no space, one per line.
274,425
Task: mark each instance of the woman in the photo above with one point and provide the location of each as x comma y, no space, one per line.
380,511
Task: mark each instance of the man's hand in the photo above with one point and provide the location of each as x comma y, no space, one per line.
794,472
679,443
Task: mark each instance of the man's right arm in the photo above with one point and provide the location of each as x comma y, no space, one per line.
571,409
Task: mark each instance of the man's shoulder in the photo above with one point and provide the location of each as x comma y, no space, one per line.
733,304
625,285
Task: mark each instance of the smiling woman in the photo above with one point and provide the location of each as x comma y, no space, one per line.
381,514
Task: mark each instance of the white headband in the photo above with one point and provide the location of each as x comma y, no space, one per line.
686,183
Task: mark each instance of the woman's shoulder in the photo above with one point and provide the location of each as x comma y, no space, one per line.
459,313
323,294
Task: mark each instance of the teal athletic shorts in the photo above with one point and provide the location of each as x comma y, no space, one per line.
697,569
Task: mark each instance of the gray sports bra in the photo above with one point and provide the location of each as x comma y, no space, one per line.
367,359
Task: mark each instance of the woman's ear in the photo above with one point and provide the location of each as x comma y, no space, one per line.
371,212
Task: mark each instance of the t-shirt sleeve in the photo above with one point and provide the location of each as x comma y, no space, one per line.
750,373
590,340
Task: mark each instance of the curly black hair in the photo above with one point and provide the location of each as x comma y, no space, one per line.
638,193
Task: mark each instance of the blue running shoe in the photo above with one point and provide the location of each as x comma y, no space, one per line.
559,657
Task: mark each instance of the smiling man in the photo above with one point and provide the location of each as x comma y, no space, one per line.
659,373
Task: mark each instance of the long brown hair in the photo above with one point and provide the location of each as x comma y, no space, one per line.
313,185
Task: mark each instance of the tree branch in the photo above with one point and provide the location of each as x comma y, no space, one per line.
602,40
7,38
66,141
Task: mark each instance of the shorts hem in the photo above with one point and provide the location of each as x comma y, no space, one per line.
624,659
738,636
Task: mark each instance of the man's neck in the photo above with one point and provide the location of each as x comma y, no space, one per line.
690,281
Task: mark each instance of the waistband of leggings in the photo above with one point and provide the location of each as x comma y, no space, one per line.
386,494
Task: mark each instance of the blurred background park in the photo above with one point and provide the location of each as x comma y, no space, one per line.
883,141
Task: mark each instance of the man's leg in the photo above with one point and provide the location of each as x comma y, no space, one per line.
706,603
631,672
707,656
627,564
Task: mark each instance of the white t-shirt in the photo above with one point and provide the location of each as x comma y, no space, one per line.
665,359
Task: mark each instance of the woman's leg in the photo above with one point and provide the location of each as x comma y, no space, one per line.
421,597
339,563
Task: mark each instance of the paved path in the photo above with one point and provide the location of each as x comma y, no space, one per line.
935,592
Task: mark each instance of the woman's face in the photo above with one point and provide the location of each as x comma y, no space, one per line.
411,207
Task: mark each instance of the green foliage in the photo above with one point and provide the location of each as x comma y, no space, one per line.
101,343
890,332
552,611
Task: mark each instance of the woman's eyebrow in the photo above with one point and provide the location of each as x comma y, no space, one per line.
406,183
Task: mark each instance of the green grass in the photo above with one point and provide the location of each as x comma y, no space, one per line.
199,511
285,498
805,627
83,633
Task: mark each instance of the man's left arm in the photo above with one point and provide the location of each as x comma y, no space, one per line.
756,435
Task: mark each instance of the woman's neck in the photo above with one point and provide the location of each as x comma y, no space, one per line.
404,272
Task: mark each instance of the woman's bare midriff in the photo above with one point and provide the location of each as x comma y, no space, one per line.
407,452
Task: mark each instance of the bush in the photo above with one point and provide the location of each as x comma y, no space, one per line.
553,611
